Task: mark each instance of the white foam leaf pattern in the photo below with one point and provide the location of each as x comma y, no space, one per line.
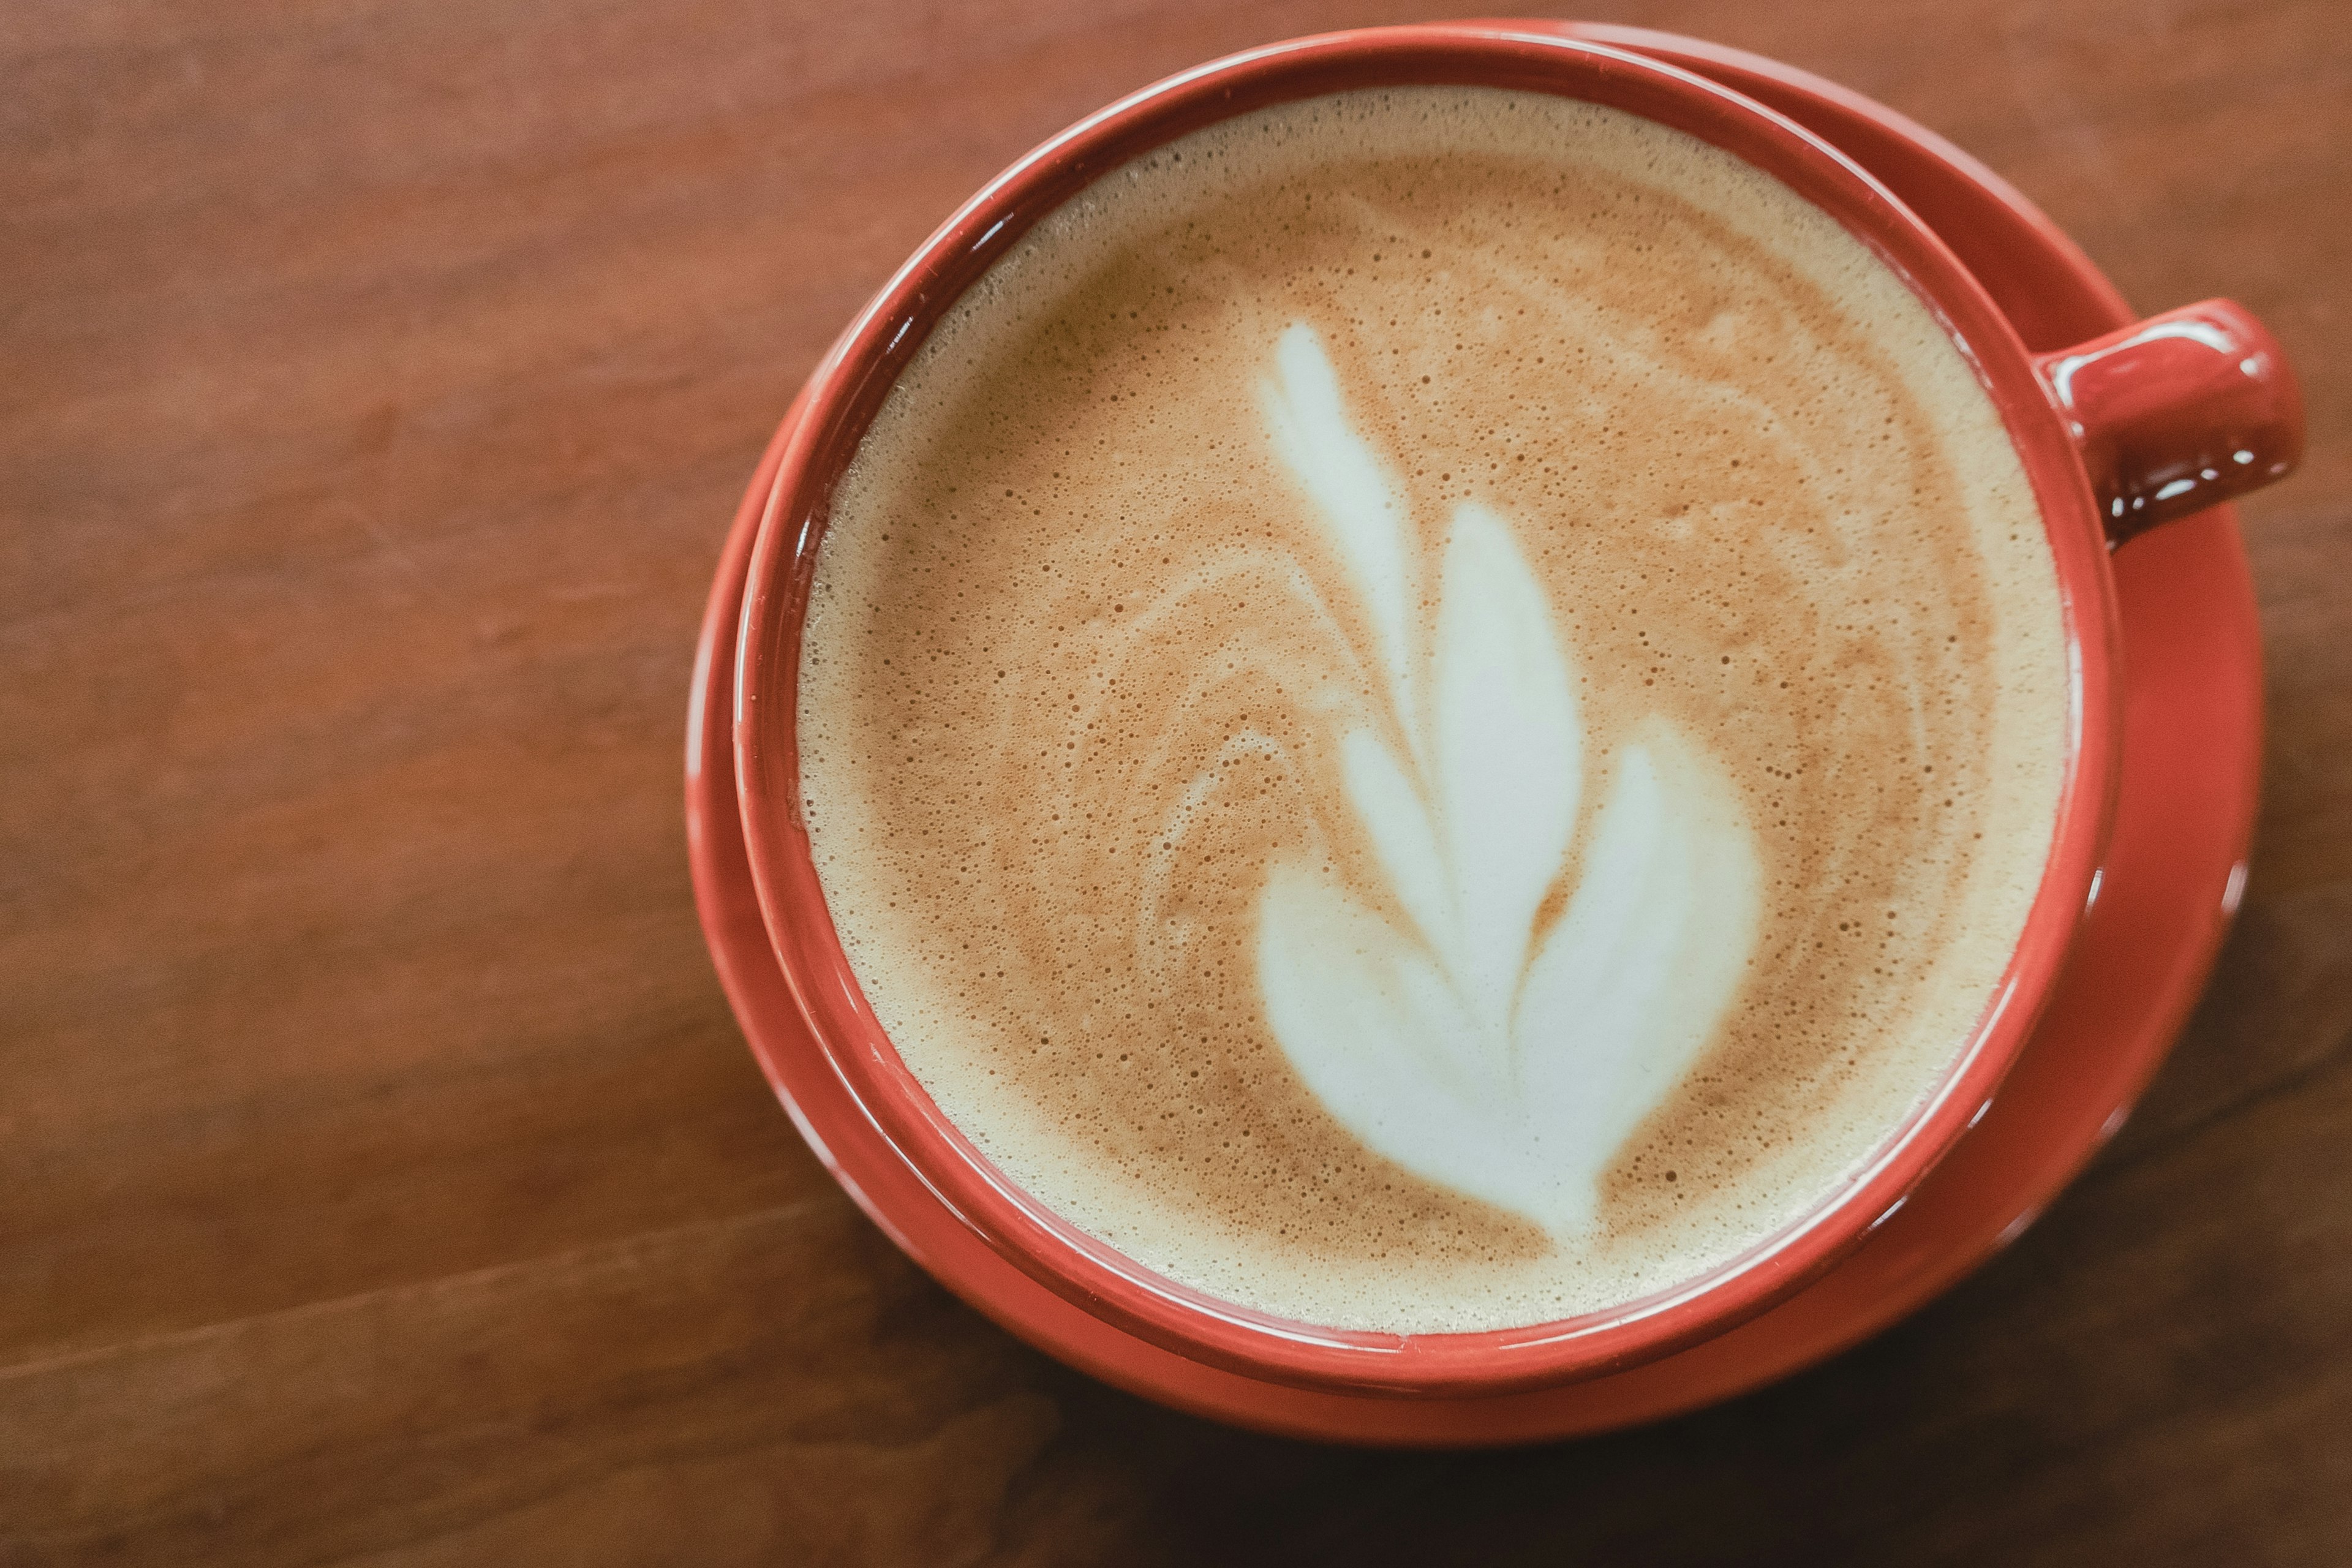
1362,511
1509,753
1404,837
1459,1046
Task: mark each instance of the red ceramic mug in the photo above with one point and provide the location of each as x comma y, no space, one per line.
2116,434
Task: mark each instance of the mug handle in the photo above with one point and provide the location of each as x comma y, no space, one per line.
2177,412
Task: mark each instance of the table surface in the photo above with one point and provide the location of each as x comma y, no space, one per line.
381,1177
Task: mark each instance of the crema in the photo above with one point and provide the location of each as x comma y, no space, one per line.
1433,708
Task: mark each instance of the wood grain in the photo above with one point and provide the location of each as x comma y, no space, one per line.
382,1177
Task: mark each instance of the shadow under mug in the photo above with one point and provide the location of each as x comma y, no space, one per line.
2172,415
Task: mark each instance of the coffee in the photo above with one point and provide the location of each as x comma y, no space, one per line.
1433,708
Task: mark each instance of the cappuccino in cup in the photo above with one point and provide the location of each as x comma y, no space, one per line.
1433,708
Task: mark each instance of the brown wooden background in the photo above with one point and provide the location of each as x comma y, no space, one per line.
382,1177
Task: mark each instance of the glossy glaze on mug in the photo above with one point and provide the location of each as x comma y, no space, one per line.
2178,411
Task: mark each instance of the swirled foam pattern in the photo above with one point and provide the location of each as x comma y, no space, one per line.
1433,708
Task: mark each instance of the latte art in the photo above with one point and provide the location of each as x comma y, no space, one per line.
1432,710
1472,1047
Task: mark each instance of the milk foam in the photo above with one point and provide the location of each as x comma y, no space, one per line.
1451,1042
1433,710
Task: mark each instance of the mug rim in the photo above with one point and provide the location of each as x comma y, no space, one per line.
848,389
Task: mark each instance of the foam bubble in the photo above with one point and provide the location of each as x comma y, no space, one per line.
1082,660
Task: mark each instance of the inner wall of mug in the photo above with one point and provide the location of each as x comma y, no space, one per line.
852,387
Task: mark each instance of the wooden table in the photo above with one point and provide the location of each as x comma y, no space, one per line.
381,1177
